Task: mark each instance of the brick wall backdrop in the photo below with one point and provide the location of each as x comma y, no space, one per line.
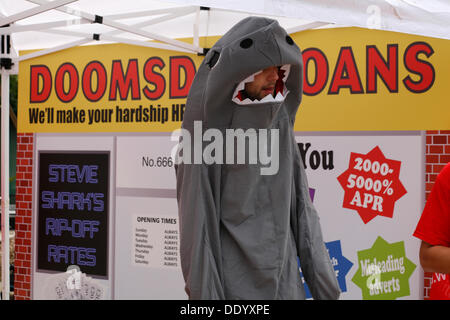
24,180
437,156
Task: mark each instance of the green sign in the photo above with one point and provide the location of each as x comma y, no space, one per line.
384,271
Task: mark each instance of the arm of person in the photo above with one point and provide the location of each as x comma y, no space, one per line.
434,226
435,258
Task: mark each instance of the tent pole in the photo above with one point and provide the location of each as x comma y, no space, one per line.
42,26
196,28
108,36
34,11
120,26
51,50
149,13
153,21
5,183
63,23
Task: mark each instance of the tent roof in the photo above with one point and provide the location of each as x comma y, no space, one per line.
428,18
67,23
213,22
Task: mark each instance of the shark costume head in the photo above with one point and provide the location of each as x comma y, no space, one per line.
251,46
241,231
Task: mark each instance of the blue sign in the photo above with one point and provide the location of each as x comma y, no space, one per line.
340,264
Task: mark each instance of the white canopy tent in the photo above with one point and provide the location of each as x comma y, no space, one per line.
60,24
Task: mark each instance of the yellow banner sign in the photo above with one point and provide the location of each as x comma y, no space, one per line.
354,79
358,79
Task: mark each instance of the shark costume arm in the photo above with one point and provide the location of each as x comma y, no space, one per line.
314,258
199,231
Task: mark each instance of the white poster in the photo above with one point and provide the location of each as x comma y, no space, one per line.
368,191
147,251
145,162
147,262
155,241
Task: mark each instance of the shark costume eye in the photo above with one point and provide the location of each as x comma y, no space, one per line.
246,43
212,62
289,40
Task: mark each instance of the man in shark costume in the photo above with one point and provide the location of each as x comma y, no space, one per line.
241,230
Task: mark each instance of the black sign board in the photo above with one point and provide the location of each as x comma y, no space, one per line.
73,211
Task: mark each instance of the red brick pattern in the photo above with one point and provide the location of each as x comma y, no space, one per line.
437,156
24,180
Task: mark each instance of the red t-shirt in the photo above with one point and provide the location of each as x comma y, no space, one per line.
434,225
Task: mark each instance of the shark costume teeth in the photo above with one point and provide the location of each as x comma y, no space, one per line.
279,96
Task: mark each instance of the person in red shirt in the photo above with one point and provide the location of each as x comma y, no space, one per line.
434,228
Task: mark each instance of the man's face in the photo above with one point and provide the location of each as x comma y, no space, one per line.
263,84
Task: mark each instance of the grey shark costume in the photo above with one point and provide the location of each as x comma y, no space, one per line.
241,231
